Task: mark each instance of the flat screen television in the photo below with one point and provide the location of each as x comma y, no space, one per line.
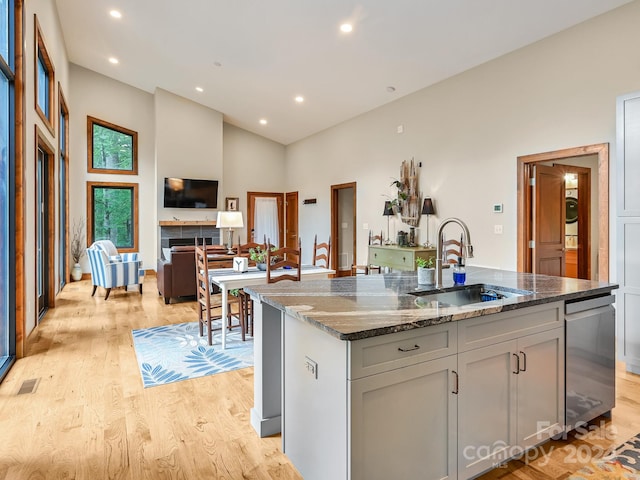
190,193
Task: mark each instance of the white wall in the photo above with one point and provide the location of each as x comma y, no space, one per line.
468,131
188,144
54,43
115,102
251,164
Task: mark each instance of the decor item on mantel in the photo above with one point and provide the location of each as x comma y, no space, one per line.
409,197
77,250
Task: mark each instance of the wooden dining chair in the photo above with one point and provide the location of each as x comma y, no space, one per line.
243,250
285,257
208,302
451,250
368,267
321,252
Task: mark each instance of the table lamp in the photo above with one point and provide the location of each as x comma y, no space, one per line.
428,209
229,220
388,212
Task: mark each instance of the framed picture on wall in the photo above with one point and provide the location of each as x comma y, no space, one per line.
231,204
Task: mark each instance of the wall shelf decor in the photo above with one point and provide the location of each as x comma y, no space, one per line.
409,200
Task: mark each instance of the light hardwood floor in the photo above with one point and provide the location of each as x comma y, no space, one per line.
90,418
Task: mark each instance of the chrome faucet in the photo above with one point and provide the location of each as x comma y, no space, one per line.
466,240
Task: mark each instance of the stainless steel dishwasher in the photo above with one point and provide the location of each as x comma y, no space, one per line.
590,359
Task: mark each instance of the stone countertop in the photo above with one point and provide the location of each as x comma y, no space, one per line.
352,308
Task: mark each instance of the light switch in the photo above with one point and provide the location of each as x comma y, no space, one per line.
311,367
497,229
345,225
365,226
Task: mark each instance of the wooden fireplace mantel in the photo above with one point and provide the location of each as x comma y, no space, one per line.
186,223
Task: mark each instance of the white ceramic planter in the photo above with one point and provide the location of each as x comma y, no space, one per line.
426,276
76,272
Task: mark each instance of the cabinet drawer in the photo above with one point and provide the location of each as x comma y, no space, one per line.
381,256
387,352
483,331
392,258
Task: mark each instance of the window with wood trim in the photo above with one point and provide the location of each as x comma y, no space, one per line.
112,214
44,80
8,241
111,148
63,188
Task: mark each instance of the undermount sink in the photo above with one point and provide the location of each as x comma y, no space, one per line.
465,295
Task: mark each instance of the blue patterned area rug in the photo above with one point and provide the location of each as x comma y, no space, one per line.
171,353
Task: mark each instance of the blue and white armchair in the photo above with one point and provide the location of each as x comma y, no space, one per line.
111,269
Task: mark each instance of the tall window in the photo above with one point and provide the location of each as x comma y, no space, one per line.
44,80
63,167
7,152
112,213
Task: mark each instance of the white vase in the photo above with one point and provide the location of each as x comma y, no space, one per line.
76,272
426,276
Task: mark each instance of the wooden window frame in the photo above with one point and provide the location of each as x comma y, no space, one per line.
90,211
63,157
41,50
91,121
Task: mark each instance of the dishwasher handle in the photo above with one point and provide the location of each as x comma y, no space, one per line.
588,304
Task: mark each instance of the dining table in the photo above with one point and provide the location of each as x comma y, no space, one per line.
229,279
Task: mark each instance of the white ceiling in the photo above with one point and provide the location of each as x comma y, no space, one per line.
269,51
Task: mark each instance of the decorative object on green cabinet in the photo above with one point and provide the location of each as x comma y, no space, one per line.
408,198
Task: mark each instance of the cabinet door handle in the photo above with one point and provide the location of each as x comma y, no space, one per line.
375,255
415,347
456,383
517,363
524,362
404,259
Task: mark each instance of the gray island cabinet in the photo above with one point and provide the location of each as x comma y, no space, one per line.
373,385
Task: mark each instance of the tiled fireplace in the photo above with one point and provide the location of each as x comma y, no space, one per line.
185,232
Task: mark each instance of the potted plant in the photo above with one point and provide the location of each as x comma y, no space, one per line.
259,255
426,272
77,249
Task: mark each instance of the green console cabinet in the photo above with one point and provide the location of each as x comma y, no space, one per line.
399,258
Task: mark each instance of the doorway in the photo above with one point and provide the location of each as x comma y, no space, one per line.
291,220
265,217
343,228
529,223
45,226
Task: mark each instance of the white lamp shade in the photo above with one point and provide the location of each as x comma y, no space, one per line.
229,220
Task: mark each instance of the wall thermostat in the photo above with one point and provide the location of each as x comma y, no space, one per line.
497,208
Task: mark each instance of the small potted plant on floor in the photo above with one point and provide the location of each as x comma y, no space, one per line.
426,272
77,249
259,255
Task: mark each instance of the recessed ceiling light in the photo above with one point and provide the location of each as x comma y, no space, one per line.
391,89
114,60
346,28
217,64
115,14
200,89
263,121
299,99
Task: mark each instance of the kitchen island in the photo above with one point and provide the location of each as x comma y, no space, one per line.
373,374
